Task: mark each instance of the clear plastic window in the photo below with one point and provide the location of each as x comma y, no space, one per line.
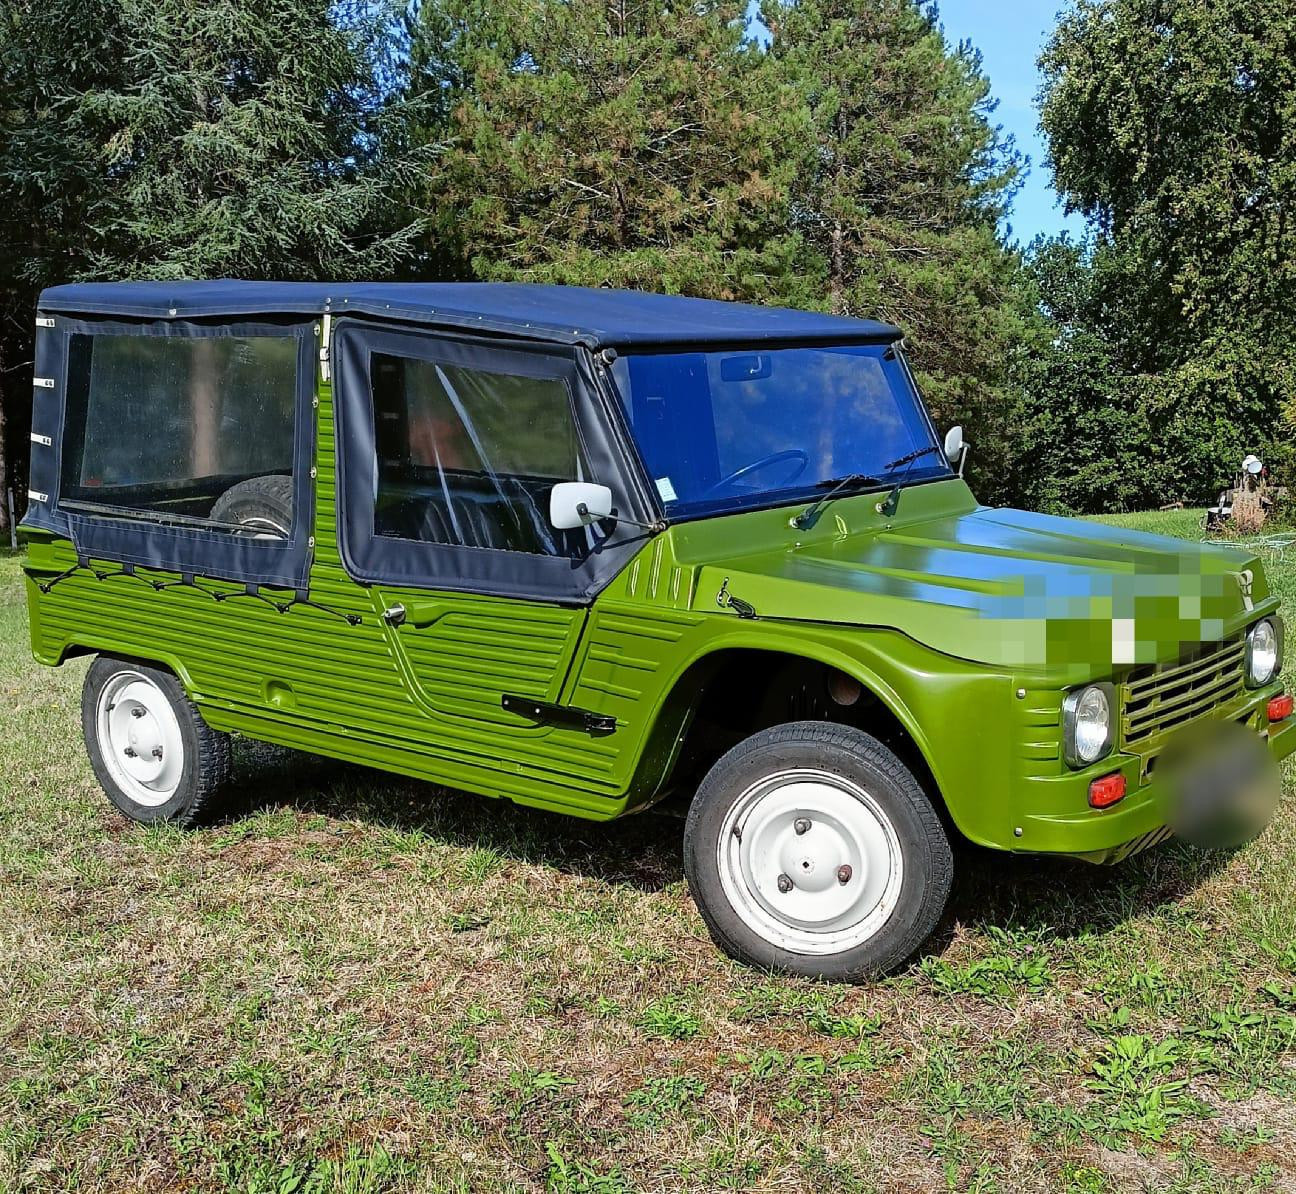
468,457
164,427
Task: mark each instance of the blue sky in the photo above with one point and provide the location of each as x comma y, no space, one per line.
1009,34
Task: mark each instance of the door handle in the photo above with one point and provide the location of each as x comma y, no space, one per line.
417,613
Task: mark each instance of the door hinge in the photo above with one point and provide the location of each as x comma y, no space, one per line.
562,715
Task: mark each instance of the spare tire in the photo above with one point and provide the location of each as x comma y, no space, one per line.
261,507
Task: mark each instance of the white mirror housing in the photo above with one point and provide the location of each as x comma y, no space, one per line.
575,504
954,444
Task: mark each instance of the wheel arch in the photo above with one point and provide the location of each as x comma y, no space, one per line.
697,679
89,648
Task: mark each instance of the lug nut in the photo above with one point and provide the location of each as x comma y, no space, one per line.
844,873
801,825
129,752
137,711
157,752
784,884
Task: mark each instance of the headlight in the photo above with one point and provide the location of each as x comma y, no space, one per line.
1263,652
1087,723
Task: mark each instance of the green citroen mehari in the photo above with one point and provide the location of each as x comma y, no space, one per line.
584,549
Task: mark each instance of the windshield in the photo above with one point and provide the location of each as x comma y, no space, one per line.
725,430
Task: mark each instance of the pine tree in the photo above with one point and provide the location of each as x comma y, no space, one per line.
164,139
899,189
622,142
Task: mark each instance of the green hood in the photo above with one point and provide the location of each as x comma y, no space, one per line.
1001,587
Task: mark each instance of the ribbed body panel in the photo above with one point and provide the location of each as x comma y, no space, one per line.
423,701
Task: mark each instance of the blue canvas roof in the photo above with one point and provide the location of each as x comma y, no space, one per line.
561,314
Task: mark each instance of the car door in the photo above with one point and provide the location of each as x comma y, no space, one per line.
449,450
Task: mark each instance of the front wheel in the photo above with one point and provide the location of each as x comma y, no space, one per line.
155,757
811,848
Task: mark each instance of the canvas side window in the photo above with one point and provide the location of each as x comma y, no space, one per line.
161,427
467,457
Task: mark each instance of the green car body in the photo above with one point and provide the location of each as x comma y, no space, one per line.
949,632
867,595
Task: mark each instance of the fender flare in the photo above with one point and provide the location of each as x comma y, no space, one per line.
771,641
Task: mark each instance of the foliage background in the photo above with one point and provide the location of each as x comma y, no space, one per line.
837,154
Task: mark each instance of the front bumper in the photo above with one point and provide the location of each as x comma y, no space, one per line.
1137,822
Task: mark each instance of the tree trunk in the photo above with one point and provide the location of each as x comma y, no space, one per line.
837,270
4,459
204,408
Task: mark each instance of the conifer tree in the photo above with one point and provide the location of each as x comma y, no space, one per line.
900,186
164,139
625,142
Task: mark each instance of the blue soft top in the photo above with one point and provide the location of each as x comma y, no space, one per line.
561,314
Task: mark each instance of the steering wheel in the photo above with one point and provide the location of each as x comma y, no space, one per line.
802,459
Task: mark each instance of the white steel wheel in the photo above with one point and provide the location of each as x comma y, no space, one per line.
810,861
140,739
151,750
811,848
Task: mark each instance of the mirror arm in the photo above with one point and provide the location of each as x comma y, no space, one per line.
655,528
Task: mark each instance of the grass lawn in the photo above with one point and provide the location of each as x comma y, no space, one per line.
358,983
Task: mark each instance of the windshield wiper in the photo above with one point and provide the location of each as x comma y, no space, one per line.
835,486
909,458
892,502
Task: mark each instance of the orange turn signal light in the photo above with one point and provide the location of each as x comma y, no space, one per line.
1280,708
1109,790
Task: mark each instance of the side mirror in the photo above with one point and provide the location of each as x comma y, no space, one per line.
954,445
575,504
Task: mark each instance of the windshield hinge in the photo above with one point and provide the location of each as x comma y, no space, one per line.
726,600
326,372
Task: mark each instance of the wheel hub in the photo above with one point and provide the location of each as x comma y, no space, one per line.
810,861
139,738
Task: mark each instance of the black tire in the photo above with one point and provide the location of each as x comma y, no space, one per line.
917,899
206,765
262,505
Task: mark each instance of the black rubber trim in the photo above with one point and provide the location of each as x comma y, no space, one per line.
563,715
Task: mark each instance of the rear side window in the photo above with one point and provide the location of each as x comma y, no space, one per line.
161,426
467,457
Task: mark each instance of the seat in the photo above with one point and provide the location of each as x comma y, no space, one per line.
512,515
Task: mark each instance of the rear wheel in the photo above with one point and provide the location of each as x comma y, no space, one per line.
155,757
811,848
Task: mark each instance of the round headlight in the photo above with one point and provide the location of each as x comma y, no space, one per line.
1262,653
1087,721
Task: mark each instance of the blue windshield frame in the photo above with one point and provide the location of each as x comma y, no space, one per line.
693,416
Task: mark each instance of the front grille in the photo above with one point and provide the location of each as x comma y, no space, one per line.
1161,696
